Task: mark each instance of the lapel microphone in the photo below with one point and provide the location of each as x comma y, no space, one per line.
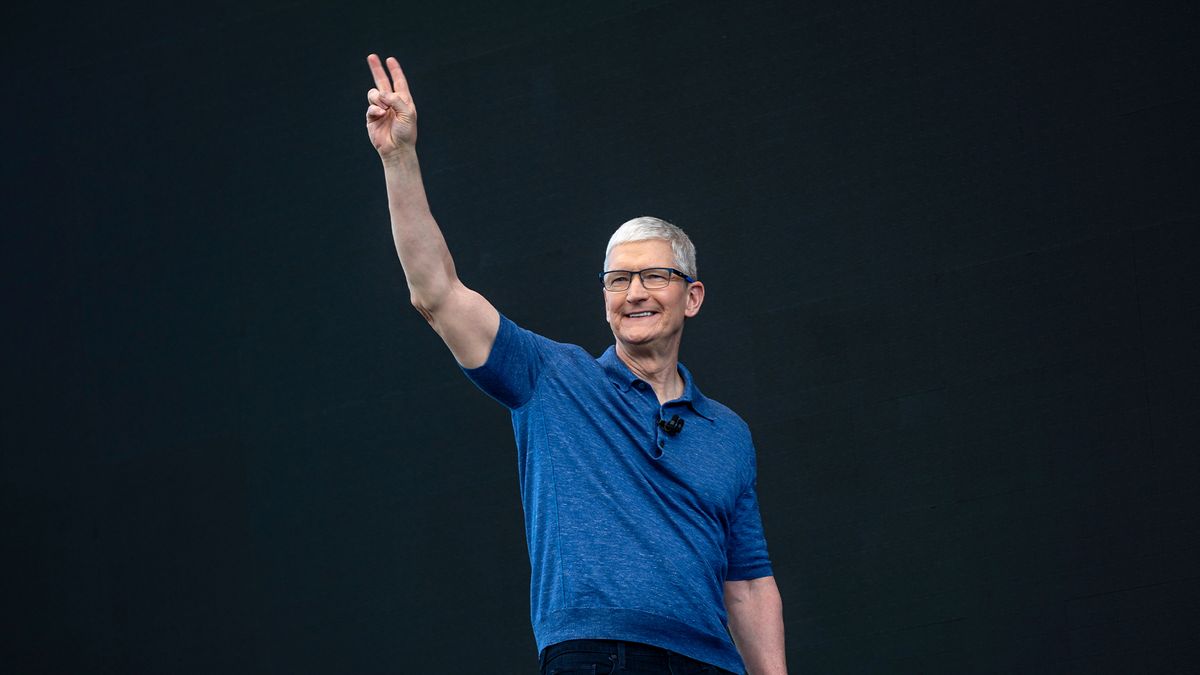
672,427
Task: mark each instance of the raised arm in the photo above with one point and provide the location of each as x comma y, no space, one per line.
464,319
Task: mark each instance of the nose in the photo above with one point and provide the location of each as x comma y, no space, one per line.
636,290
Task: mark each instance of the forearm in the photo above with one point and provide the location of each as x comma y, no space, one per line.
428,266
756,624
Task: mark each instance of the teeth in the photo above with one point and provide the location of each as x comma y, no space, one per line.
640,314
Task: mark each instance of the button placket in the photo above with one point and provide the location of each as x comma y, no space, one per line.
660,435
660,441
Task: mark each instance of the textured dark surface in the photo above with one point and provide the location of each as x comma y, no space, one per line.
960,235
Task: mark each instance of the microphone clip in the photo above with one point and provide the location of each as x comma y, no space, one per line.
672,427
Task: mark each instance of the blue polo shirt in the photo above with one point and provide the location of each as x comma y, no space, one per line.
631,531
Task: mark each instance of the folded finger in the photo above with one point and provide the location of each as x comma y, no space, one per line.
376,97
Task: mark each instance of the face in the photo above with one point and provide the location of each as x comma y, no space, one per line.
644,317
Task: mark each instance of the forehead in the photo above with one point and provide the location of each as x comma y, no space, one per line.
636,255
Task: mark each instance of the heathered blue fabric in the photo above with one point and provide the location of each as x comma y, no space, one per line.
631,532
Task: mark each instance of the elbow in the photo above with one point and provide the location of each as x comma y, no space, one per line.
736,592
757,591
429,301
422,307
427,305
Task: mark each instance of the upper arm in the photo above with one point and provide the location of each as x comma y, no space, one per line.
466,322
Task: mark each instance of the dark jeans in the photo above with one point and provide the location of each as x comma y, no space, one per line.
601,657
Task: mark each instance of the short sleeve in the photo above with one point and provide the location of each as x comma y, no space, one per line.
746,547
513,366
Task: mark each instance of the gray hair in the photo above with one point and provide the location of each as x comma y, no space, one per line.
646,228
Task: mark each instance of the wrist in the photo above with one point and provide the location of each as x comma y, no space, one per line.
404,157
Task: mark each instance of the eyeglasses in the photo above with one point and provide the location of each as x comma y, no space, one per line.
652,278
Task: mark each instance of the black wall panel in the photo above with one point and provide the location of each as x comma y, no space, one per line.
949,252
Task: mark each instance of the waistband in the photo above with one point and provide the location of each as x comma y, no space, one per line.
620,650
605,647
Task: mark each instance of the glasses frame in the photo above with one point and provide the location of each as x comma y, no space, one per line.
642,279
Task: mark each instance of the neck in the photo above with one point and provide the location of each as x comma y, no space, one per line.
660,369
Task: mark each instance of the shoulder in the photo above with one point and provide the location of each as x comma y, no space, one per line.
723,416
720,415
519,360
726,415
517,343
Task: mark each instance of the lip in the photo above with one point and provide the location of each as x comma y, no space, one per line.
653,313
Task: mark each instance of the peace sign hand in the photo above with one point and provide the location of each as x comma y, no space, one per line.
391,115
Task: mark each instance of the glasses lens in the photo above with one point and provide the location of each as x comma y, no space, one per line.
616,281
656,277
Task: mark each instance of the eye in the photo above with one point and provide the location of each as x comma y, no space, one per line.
657,276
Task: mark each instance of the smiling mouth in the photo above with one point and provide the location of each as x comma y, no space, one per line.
638,315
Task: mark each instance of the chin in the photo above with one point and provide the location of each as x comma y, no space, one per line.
637,338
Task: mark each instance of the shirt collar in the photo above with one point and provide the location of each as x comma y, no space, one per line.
623,377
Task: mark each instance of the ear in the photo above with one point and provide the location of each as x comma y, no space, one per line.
695,298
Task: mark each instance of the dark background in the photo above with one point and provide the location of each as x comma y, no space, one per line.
949,250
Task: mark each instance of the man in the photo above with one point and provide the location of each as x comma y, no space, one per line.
640,513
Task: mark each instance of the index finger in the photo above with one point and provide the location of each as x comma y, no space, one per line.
381,79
